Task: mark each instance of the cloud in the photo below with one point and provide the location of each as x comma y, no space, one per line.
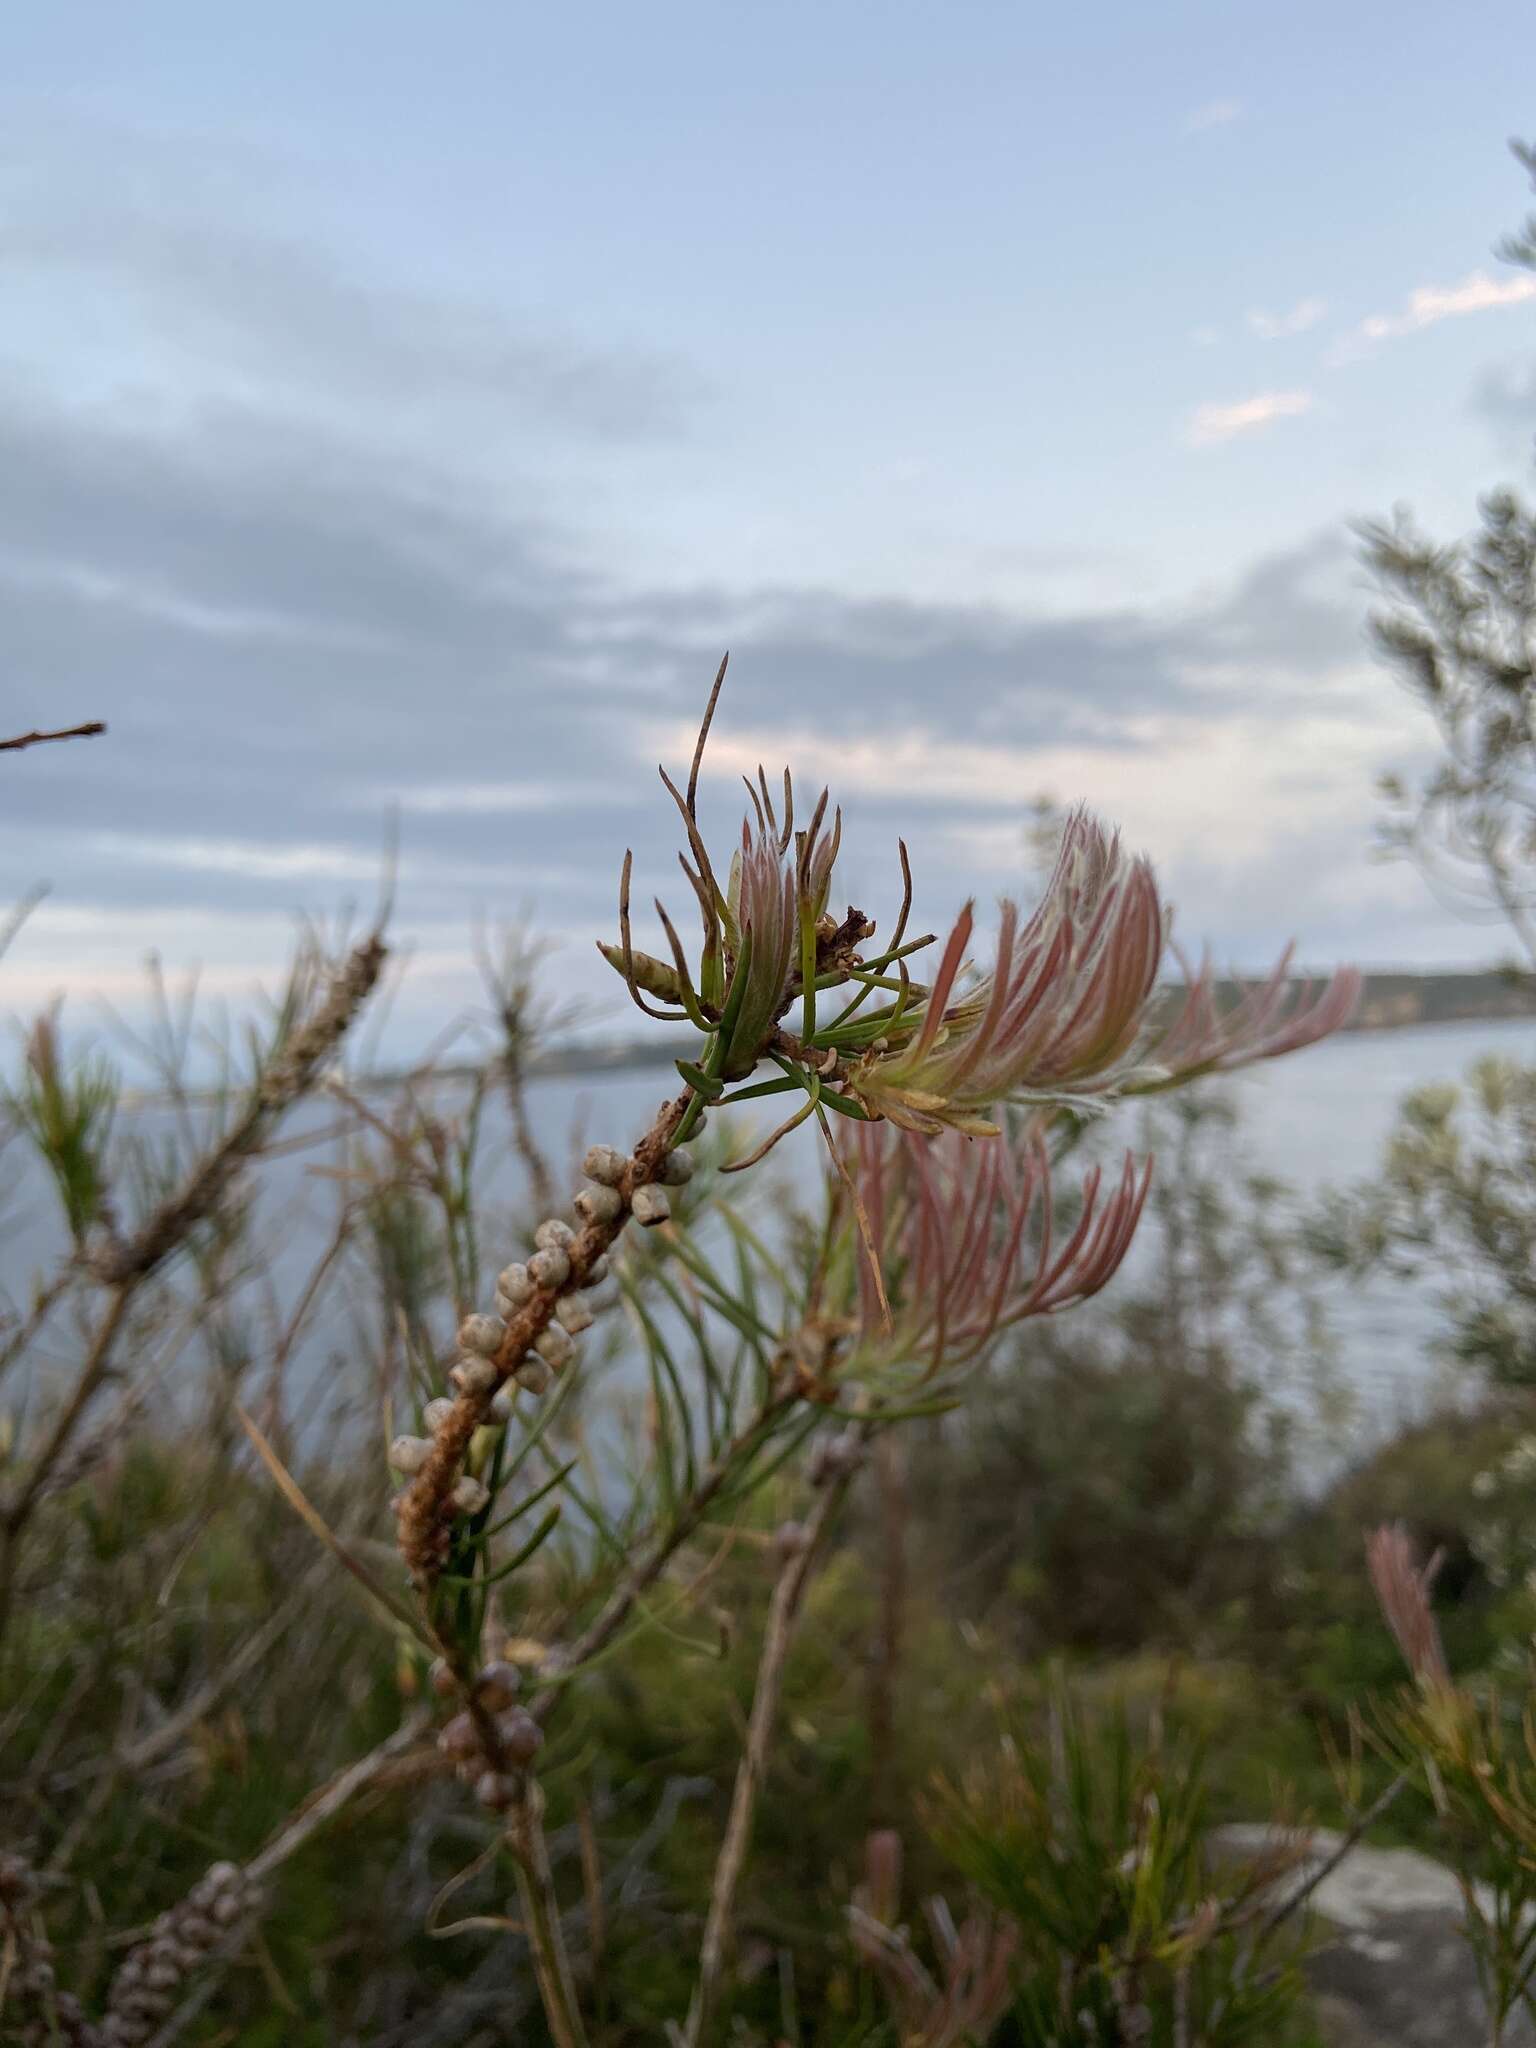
1205,337
465,798
294,620
1249,850
1214,114
435,651
1212,423
385,637
1429,304
220,298
1278,326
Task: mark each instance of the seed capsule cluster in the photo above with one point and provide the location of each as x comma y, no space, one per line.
549,1266
40,2014
181,1941
492,1740
519,1737
564,1264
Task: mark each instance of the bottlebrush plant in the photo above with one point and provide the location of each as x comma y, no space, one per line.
521,1560
938,1233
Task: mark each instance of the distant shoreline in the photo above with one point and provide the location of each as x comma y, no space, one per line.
1390,1002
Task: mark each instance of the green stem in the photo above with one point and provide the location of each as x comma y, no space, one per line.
541,1922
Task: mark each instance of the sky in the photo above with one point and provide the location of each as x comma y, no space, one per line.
402,409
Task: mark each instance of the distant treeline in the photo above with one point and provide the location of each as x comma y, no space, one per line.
1398,999
1390,1002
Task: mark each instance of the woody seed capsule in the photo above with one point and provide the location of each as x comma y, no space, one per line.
482,1334
513,1282
597,1272
598,1205
494,1789
649,1206
144,2005
836,1459
572,1314
458,1738
676,1169
533,1376
605,1165
473,1375
554,1236
521,1736
550,1267
436,1413
410,1453
469,1496
555,1347
501,1405
498,1686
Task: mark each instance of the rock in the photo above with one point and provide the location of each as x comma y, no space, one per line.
1392,1969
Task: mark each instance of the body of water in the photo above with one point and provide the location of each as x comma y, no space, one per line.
1319,1119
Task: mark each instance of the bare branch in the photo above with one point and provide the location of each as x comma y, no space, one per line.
70,732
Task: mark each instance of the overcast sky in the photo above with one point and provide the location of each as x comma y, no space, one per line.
405,405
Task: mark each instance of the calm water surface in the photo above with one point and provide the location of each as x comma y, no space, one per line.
1317,1120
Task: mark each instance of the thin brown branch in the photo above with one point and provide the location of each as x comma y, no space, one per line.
783,1611
45,1301
70,732
616,1610
541,1919
286,1076
1295,1900
512,984
310,1293
162,1740
125,1266
885,1658
18,1509
325,1804
321,1807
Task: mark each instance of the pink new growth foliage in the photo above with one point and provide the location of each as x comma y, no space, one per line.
974,1985
950,1217
1059,1013
1264,1022
1068,1012
1402,1593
